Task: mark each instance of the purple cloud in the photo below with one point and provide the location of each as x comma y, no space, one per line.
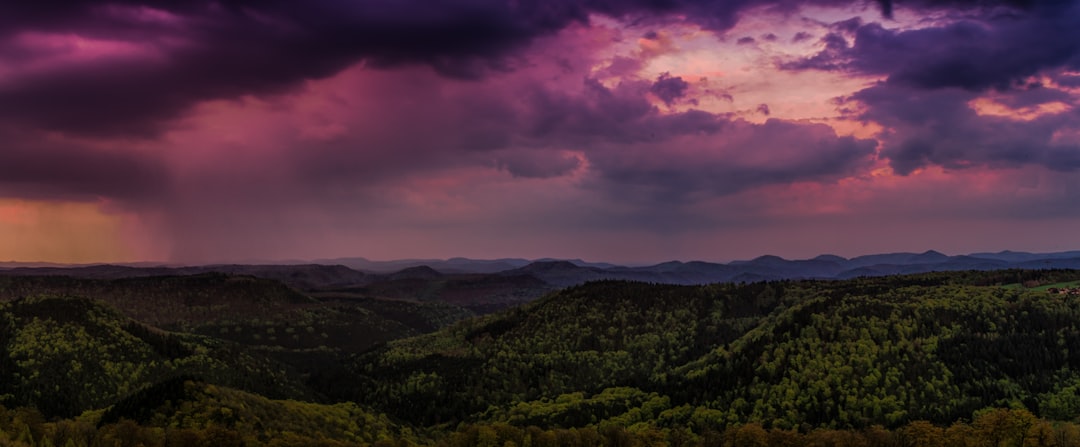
537,164
192,51
669,88
627,142
741,156
245,127
38,166
631,146
941,128
933,75
993,50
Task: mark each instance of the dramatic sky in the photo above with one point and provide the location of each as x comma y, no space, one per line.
621,130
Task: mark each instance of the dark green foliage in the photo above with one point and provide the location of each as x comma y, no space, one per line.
892,361
185,402
141,406
161,342
936,353
789,354
68,355
586,338
479,293
170,302
286,337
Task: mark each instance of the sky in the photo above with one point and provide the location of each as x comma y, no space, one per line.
624,131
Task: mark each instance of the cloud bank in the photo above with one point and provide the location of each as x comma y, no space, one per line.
238,130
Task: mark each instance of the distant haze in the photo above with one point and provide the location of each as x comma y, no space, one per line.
627,132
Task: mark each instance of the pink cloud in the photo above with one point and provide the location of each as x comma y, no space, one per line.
564,140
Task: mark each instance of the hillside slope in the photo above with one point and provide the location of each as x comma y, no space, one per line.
787,354
68,355
874,361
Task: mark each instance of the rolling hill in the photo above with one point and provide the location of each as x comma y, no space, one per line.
839,354
67,355
866,361
484,286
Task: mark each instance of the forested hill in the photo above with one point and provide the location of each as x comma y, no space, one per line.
487,286
867,361
66,355
788,354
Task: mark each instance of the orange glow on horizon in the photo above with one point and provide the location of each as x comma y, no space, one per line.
63,232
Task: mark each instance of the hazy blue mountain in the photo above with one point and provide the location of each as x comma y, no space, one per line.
452,265
581,263
486,285
827,257
418,272
561,273
305,276
927,257
769,267
1020,256
1069,263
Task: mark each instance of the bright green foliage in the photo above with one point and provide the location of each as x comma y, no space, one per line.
936,353
68,355
623,406
188,404
269,319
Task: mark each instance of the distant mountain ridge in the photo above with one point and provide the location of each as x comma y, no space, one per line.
358,270
452,265
483,286
769,267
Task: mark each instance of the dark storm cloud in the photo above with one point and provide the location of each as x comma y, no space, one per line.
525,130
933,74
630,148
832,57
994,50
1034,95
888,6
1068,80
33,167
669,88
621,114
733,161
250,48
637,152
218,50
200,50
943,129
537,164
847,26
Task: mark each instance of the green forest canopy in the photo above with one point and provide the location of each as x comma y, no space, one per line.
900,357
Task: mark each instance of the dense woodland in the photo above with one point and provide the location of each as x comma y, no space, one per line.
936,359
